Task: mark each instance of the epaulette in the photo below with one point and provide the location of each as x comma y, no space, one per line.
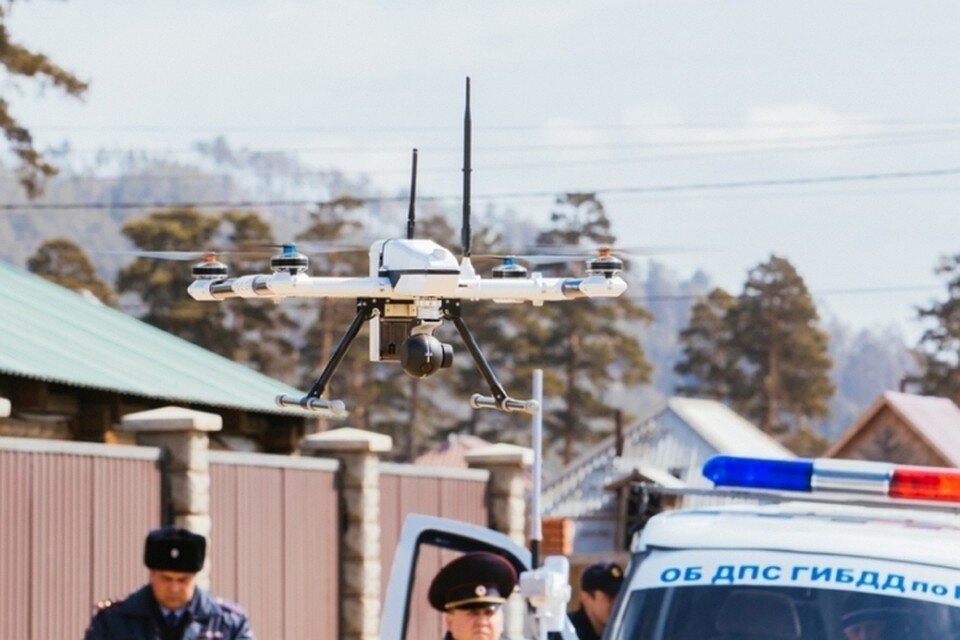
231,606
106,604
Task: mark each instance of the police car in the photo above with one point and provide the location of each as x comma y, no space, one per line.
813,550
867,551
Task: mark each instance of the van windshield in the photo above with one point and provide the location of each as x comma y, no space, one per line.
780,613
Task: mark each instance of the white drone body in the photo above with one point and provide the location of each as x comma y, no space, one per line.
411,271
413,287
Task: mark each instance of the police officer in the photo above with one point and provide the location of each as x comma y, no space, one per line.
171,606
599,585
470,592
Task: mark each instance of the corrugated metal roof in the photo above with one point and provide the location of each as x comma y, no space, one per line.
451,453
578,489
936,419
726,430
50,333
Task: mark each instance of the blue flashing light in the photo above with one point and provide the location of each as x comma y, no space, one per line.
757,473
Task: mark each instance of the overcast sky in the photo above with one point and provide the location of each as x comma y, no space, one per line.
652,104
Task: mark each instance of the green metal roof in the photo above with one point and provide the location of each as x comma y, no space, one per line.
50,333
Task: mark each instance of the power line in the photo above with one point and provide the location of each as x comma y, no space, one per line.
752,150
299,129
696,186
660,144
814,293
706,186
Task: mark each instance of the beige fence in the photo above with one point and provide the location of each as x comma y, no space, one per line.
274,541
73,517
72,521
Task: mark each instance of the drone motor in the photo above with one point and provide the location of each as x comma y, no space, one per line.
289,260
605,264
510,268
209,269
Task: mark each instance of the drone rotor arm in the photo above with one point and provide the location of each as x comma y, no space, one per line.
336,408
539,289
284,285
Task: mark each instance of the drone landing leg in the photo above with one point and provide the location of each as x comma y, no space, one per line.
500,400
312,400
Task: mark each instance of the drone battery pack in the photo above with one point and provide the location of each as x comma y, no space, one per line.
389,330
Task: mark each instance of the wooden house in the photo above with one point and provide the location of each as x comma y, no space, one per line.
906,429
667,447
71,368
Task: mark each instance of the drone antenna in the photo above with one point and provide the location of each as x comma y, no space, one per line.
465,230
413,196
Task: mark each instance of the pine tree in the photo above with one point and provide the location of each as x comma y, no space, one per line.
710,363
65,263
162,285
762,353
776,327
938,352
21,62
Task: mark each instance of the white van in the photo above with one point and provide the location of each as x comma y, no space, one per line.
823,550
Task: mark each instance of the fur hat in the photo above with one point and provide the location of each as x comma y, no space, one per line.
172,549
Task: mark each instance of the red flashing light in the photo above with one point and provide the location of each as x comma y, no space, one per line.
925,483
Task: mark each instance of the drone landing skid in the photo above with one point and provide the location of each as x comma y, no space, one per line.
336,408
365,311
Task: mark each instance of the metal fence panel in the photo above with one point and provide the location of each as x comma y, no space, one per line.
274,543
126,499
260,545
16,549
311,523
60,515
223,533
73,517
451,493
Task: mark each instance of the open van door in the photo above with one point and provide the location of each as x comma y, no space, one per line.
426,544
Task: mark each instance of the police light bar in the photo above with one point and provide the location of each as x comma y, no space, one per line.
824,475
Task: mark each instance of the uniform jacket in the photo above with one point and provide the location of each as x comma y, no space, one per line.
137,617
582,624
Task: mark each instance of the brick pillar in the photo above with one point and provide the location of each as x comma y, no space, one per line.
506,503
358,452
182,434
506,490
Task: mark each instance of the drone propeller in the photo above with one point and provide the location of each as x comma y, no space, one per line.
319,247
542,255
180,256
583,251
601,262
560,254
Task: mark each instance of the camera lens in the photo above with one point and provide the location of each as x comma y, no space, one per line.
422,355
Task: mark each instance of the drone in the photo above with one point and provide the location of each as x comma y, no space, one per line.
413,287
